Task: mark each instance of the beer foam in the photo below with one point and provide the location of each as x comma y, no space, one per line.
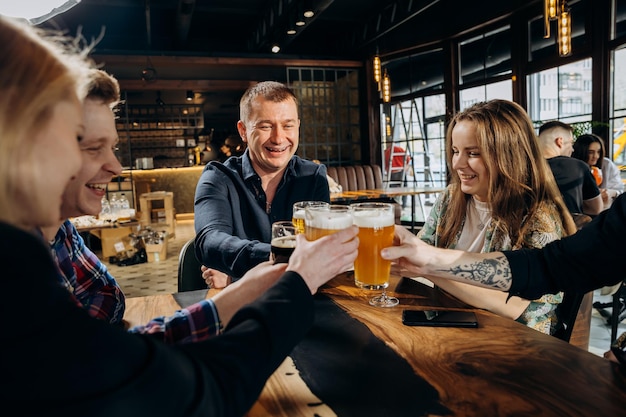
373,218
284,242
299,214
330,220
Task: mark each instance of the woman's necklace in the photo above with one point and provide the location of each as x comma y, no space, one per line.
483,213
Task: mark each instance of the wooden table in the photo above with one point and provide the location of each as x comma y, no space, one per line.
387,193
360,360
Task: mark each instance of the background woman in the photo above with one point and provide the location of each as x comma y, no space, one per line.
590,149
501,196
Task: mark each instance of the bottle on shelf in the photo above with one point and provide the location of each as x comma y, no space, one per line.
124,209
115,207
105,211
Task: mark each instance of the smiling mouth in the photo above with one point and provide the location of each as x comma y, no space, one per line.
99,187
466,177
277,150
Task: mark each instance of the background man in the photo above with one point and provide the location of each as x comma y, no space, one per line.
578,187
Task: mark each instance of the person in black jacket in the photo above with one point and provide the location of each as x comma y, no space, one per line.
57,360
590,259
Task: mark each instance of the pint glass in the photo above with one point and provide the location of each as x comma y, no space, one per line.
283,241
298,212
324,220
376,229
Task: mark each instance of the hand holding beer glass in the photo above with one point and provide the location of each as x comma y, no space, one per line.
299,211
283,241
376,229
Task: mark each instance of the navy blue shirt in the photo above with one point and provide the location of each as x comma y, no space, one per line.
233,229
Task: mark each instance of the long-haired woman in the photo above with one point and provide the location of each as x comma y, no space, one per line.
502,195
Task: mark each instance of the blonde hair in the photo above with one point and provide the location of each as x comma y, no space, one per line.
37,71
520,180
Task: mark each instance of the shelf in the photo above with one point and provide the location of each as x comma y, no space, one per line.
166,117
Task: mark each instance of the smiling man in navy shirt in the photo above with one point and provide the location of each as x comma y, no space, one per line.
236,202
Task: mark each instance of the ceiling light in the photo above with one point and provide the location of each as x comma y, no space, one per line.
300,22
308,13
291,31
386,88
275,49
189,95
564,34
148,74
550,9
377,69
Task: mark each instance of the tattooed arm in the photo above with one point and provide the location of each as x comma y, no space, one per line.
489,270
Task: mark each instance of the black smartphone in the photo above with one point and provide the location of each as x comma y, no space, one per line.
439,318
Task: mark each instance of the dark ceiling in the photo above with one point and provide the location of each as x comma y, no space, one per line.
217,48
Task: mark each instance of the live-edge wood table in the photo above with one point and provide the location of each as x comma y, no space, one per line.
361,360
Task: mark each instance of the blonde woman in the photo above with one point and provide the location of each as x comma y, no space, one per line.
502,195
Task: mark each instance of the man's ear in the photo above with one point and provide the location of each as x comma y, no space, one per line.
558,142
241,128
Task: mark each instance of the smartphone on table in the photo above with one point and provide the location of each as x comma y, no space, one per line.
439,318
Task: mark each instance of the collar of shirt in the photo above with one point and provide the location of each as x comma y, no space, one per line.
248,171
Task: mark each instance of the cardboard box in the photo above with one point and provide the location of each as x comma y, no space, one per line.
156,252
114,240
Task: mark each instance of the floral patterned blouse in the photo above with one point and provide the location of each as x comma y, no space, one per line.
546,226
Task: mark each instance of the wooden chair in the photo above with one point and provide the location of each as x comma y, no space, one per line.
189,273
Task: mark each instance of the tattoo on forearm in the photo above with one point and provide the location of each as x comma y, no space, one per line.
495,273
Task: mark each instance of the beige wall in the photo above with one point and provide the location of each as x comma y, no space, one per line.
181,181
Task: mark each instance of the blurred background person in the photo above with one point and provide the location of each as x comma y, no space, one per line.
589,148
576,183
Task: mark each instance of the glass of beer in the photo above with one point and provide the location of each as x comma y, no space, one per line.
325,220
283,241
298,212
376,229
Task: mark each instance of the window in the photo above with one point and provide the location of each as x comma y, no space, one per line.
485,56
619,19
502,90
618,105
416,73
417,125
561,93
